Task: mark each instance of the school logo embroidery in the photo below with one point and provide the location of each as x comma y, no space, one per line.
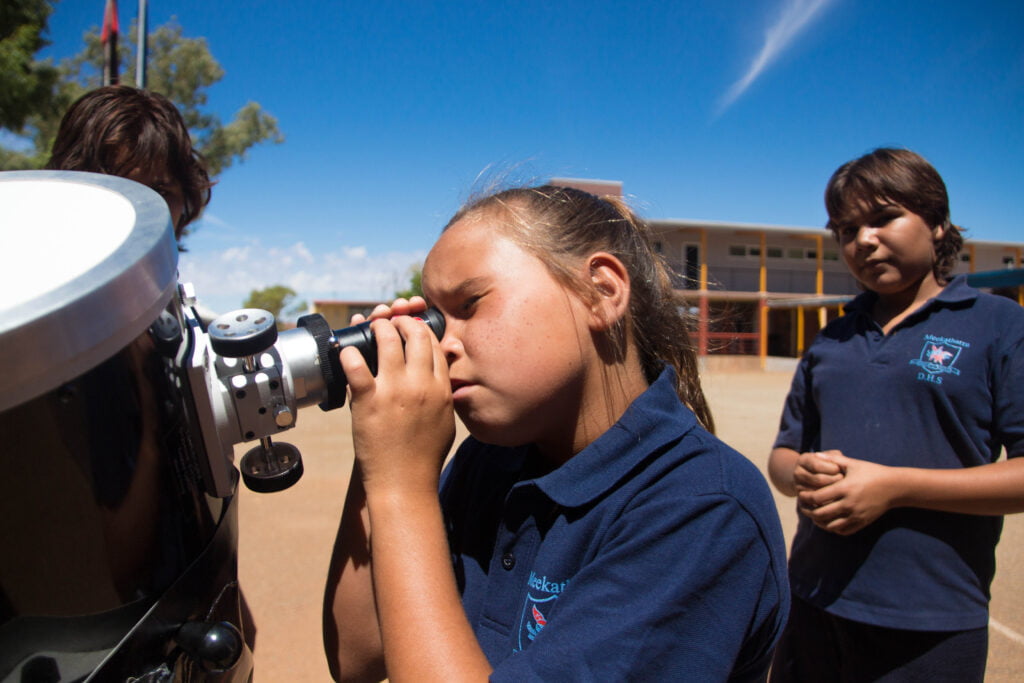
539,622
537,607
532,620
938,357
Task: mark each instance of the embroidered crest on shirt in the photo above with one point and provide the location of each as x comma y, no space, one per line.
537,608
938,357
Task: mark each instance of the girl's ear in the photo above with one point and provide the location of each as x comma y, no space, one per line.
609,281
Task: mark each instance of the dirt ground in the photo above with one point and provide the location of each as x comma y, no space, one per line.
286,537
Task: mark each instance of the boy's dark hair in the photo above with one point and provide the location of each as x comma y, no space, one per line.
894,176
117,129
560,225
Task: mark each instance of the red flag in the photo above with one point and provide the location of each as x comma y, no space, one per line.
109,39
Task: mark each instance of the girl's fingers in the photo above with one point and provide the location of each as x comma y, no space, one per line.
390,355
398,307
380,311
404,344
408,306
357,372
419,351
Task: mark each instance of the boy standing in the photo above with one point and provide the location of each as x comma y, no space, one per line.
890,438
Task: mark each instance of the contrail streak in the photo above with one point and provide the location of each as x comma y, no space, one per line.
796,14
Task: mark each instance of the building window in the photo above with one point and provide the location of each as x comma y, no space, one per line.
659,248
831,255
1009,262
774,252
811,254
965,257
795,253
745,251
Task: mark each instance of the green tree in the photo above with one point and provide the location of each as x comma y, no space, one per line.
26,85
181,68
415,287
278,299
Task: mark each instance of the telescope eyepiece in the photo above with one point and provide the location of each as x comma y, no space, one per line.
330,342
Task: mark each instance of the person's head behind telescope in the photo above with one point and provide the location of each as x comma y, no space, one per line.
139,135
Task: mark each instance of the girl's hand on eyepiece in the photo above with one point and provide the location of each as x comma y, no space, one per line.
398,307
403,423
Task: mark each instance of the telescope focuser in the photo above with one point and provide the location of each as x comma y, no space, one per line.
249,381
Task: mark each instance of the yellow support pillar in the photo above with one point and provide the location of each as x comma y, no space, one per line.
800,332
763,279
703,259
820,280
1020,288
762,309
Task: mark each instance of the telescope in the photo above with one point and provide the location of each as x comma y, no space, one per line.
248,382
120,407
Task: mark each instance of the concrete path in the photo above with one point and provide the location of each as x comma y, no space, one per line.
286,537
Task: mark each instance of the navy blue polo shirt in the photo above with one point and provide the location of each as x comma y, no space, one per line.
653,554
944,389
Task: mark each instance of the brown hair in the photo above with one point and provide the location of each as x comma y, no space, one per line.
561,225
894,176
117,128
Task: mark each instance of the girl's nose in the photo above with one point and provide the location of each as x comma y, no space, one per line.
451,344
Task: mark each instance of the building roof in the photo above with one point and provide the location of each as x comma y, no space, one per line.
664,225
601,188
670,224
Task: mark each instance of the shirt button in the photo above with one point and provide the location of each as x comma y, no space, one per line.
508,561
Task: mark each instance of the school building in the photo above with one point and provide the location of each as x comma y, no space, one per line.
767,289
756,289
762,290
339,312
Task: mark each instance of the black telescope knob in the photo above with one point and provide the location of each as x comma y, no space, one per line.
215,645
266,469
241,333
166,334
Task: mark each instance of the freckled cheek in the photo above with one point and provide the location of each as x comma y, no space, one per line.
499,338
514,352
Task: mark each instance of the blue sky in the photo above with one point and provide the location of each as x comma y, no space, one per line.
732,110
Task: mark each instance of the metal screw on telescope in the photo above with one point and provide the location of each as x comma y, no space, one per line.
245,334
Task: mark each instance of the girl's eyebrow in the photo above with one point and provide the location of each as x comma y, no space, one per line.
468,284
456,292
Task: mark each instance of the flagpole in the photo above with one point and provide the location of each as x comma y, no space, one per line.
140,58
109,39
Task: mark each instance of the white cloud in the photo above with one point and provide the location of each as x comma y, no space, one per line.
303,253
224,278
238,254
796,15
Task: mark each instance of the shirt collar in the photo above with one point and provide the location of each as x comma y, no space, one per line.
654,419
957,290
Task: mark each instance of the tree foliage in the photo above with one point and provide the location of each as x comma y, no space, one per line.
25,84
415,287
278,299
179,67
